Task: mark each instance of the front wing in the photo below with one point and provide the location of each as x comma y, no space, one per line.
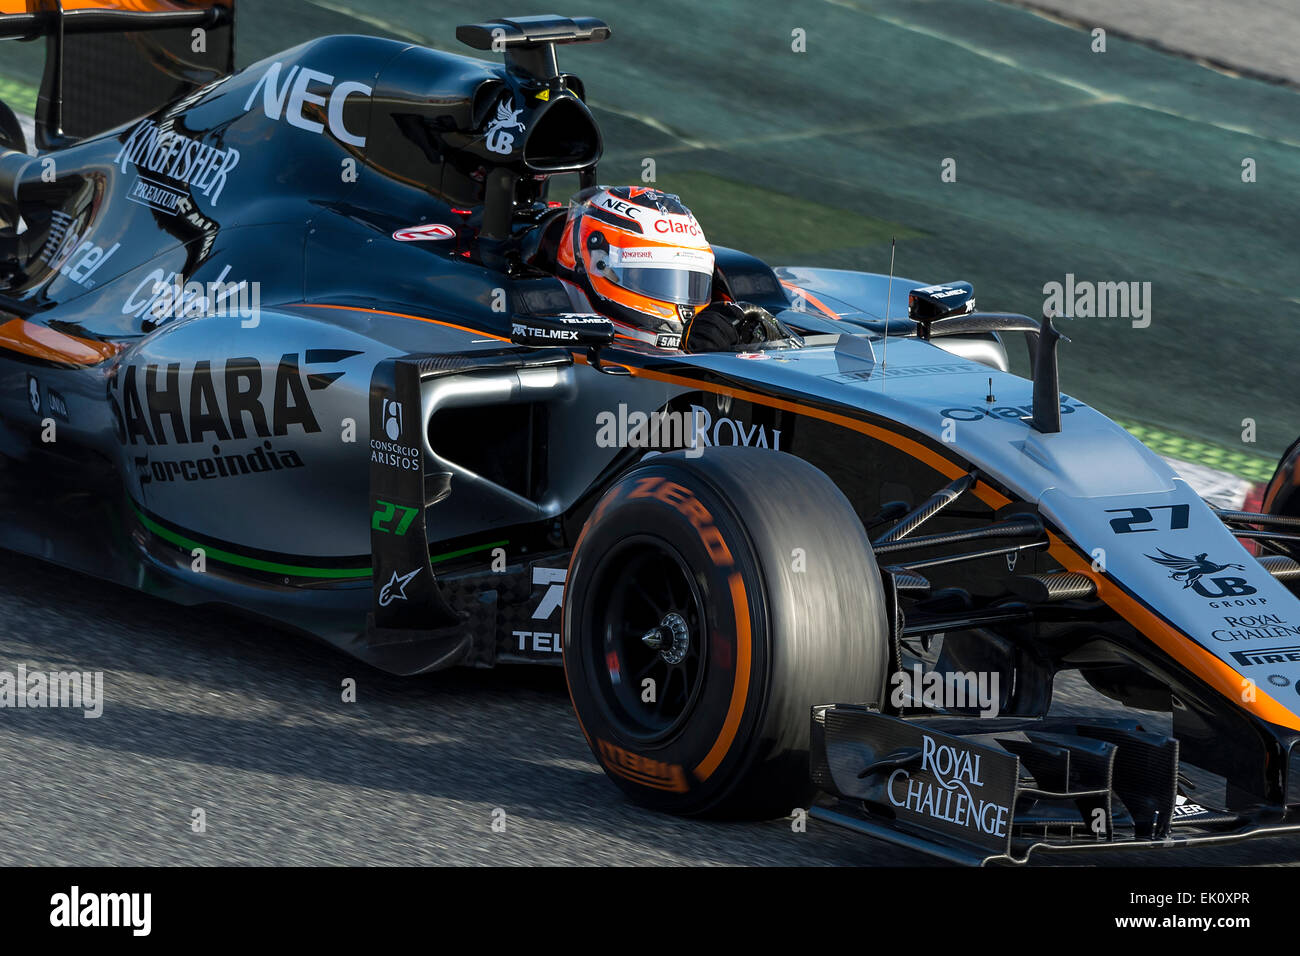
976,791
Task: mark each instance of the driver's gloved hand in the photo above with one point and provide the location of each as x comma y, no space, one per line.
713,329
758,325
728,326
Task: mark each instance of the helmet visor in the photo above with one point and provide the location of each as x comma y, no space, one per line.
681,276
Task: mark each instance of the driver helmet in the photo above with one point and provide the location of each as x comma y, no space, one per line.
639,257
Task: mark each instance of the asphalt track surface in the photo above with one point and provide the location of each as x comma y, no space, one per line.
207,711
1247,37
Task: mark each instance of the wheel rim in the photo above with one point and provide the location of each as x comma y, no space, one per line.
648,615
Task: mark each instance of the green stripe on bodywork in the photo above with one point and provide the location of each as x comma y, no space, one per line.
239,560
20,96
456,554
1239,463
274,567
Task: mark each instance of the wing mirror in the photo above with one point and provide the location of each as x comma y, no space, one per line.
939,301
577,330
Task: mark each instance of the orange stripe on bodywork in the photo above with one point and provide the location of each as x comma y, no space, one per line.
1181,647
809,297
42,342
739,690
404,315
908,446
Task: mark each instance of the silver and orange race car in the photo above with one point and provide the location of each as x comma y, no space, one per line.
289,339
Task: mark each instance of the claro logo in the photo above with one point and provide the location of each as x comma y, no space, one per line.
676,226
294,90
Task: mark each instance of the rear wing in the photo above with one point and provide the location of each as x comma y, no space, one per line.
108,62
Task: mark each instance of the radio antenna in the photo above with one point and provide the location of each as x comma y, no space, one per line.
889,296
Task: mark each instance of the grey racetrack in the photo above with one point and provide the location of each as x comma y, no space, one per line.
207,711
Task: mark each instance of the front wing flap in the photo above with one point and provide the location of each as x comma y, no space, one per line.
976,791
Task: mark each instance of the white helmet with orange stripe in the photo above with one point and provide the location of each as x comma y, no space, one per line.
640,258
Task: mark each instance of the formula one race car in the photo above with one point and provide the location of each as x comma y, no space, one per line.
290,340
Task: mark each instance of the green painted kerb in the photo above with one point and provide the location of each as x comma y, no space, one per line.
1239,463
19,96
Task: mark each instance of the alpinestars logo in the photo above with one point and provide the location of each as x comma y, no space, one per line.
395,589
1190,572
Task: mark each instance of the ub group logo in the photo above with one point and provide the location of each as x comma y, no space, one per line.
1191,571
497,139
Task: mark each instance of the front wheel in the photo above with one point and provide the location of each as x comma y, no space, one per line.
1282,494
710,604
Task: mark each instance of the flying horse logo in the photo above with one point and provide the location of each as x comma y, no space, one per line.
498,140
1191,570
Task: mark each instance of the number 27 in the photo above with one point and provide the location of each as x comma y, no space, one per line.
381,518
1178,515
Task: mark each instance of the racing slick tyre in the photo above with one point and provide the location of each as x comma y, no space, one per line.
1282,497
710,602
1282,494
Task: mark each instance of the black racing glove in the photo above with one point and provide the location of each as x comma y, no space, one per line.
730,326
713,329
758,325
